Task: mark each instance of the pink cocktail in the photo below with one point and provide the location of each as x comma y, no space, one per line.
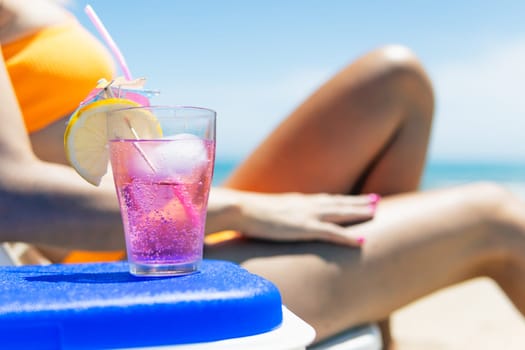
163,184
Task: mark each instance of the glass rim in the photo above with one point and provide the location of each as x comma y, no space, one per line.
167,107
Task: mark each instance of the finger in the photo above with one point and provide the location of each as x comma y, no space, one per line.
362,199
348,216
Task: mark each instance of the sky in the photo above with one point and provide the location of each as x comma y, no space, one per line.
255,61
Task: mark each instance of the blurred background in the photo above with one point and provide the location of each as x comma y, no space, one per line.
254,62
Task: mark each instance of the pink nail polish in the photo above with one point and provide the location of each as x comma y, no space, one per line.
361,240
374,198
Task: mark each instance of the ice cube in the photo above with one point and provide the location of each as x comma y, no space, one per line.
140,162
180,157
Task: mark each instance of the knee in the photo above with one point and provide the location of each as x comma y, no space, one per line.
399,62
487,197
503,214
498,208
398,70
399,59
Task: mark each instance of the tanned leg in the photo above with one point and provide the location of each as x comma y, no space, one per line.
417,244
364,131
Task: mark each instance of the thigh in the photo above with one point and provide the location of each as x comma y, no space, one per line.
306,274
334,287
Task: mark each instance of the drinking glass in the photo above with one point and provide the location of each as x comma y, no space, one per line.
162,160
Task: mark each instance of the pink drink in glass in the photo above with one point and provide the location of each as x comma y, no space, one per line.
163,187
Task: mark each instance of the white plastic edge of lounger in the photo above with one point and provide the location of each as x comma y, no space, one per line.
366,337
293,334
5,259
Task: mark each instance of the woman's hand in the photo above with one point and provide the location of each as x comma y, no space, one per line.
300,217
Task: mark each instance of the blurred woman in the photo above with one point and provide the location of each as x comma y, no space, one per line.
305,207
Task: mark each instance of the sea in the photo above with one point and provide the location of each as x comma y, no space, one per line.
441,173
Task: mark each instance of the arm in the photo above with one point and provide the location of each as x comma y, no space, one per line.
47,203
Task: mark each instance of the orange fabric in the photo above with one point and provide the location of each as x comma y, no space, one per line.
53,70
221,237
85,256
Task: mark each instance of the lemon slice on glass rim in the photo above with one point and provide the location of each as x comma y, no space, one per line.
86,140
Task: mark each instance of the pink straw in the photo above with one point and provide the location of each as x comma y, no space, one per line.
109,40
183,199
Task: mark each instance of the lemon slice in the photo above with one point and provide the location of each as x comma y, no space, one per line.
86,137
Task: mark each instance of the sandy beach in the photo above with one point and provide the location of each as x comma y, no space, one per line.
472,315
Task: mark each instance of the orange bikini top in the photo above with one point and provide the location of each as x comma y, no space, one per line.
54,69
